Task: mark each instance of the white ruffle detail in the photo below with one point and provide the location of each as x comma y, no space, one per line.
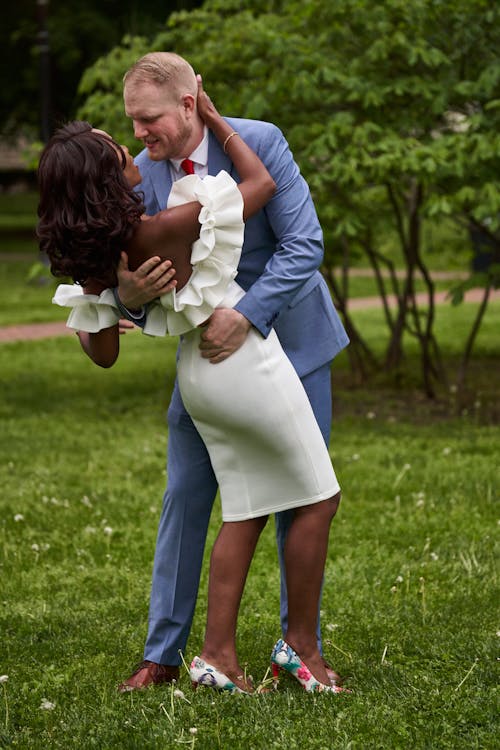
214,256
91,312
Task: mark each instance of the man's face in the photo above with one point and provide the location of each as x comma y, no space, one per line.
164,126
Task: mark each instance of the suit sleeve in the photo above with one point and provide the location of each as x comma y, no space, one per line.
299,238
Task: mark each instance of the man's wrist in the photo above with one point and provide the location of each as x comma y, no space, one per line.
247,323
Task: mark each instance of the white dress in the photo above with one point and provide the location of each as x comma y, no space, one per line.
251,410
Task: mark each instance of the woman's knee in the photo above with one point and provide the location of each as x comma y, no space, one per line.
324,510
335,502
328,508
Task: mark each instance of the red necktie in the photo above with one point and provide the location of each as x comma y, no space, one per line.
188,166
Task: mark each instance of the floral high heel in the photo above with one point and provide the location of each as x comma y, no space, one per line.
284,657
203,673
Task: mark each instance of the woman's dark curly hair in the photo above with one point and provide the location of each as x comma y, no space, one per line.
87,211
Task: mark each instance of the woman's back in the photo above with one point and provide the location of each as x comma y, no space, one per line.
168,234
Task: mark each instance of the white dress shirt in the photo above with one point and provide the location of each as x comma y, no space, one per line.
199,157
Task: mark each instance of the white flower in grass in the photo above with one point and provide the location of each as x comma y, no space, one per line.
420,497
18,517
446,451
35,547
3,679
399,579
46,705
332,626
108,530
498,636
85,501
355,457
178,693
434,556
394,589
370,415
193,730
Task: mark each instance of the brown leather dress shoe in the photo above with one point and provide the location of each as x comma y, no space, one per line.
149,673
335,679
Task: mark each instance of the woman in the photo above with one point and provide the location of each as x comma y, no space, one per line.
251,410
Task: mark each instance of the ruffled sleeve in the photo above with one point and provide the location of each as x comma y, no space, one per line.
90,312
214,257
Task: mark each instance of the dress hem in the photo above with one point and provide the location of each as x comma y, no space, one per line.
286,506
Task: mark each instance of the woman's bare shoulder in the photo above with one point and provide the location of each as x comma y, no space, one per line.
168,234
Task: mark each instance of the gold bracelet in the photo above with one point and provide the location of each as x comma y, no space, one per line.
227,139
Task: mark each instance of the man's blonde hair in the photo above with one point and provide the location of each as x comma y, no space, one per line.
166,70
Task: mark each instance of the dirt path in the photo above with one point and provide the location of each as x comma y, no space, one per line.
32,331
440,298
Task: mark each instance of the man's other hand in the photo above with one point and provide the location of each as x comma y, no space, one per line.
223,333
124,325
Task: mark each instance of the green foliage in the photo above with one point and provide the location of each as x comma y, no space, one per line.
392,111
370,95
102,86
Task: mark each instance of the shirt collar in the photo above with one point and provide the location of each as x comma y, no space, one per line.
199,155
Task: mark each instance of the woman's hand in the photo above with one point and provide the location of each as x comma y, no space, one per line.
206,108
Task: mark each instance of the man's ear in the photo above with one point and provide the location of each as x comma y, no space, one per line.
189,105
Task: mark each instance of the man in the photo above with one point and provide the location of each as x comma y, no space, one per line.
279,265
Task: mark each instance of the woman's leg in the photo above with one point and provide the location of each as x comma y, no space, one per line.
229,564
305,556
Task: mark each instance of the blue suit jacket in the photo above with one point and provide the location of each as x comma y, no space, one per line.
282,251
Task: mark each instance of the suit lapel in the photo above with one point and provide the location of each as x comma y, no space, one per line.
161,181
217,159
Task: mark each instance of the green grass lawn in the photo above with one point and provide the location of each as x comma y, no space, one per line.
410,603
23,300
